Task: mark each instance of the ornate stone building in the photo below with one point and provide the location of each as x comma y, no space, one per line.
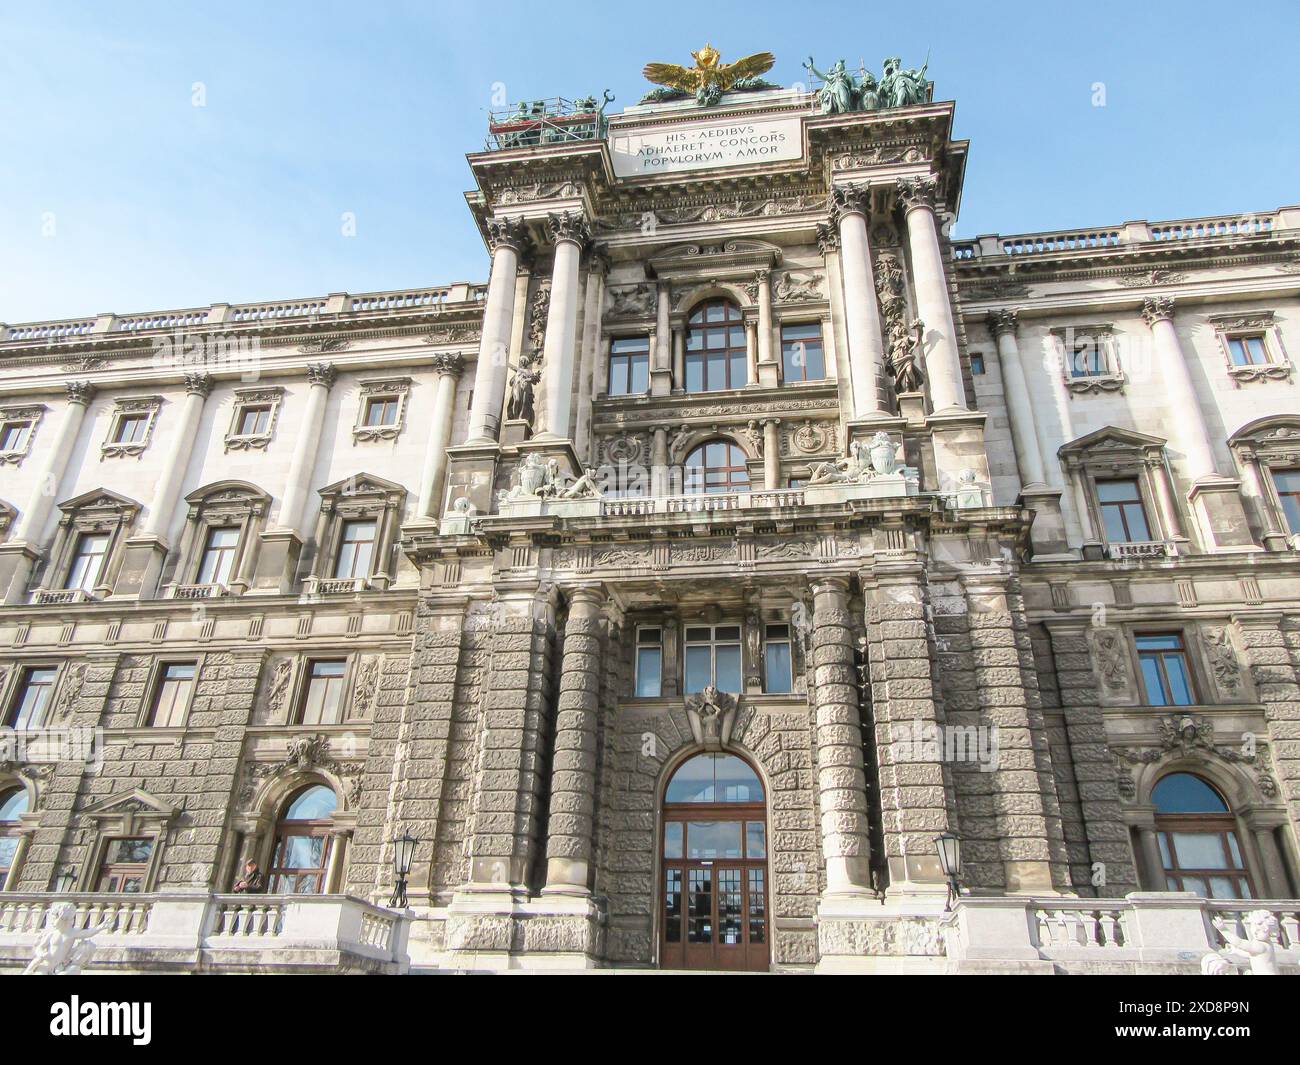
677,588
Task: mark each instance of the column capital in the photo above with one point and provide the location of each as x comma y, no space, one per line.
80,392
831,583
588,598
1157,309
198,384
321,373
918,192
568,226
848,200
450,363
507,233
828,238
1003,322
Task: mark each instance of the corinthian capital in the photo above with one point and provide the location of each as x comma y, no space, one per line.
448,362
507,233
570,226
918,192
320,373
1001,322
198,384
79,391
849,199
828,239
1158,309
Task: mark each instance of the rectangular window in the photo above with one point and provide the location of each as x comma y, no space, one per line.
219,555
125,865
1248,350
171,702
322,699
28,708
1122,514
1287,483
802,356
131,428
977,364
1092,357
629,366
1165,672
356,550
381,410
712,658
254,420
13,435
88,561
649,661
778,669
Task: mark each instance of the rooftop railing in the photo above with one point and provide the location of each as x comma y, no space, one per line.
534,123
336,307
1130,234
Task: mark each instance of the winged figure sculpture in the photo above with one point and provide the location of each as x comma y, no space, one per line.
710,77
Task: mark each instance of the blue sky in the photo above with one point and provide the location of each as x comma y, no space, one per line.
118,194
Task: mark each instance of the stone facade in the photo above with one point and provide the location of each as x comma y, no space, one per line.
914,429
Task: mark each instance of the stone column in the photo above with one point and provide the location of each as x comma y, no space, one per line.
849,208
277,563
569,231
1263,828
661,344
1187,417
297,488
771,454
573,769
506,237
1275,537
659,462
1270,643
19,555
593,297
448,366
768,373
751,351
933,306
679,359
841,779
1021,408
1153,864
143,556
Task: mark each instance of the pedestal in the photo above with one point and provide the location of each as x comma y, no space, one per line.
1047,533
471,472
1220,514
277,562
17,560
141,570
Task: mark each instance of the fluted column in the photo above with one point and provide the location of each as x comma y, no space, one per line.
507,237
768,374
45,490
751,351
320,379
1187,418
771,454
167,489
841,779
569,231
942,363
1021,408
849,207
448,367
573,769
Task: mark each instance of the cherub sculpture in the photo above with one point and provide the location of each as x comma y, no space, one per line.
1256,951
62,950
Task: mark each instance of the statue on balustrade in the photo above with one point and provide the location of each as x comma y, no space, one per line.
903,88
62,949
842,93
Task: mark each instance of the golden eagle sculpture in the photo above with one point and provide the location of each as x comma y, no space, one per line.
709,78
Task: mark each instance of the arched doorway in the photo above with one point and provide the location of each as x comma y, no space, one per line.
1198,839
300,858
713,901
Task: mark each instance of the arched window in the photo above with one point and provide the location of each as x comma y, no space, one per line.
717,466
1198,839
715,347
714,902
302,842
13,804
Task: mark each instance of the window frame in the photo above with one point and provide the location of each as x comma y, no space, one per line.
344,543
246,398
124,869
15,696
1103,505
1100,338
1194,686
304,692
146,407
732,355
713,643
768,641
1202,823
312,828
786,378
630,358
97,511
733,487
362,497
148,715
1248,325
396,389
657,645
29,415
76,557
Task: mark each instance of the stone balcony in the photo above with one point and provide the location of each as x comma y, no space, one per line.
173,932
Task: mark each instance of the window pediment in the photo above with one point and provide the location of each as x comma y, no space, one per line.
1114,448
132,808
99,507
1274,440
